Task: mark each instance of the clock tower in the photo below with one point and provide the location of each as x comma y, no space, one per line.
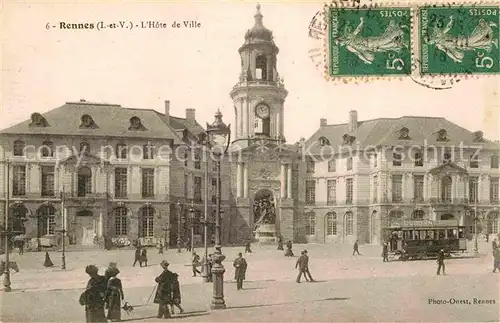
259,95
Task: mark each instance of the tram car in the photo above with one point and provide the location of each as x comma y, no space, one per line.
422,239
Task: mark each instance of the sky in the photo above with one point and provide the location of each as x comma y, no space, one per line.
197,67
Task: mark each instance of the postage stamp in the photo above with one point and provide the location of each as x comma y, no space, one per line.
459,40
369,42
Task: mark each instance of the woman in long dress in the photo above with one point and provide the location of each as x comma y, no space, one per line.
114,296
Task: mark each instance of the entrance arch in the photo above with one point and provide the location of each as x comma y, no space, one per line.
264,209
84,227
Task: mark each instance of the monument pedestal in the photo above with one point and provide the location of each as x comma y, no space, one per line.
266,234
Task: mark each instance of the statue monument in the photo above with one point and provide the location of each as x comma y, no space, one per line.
264,212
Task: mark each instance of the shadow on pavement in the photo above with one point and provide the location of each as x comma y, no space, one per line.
289,303
253,288
175,317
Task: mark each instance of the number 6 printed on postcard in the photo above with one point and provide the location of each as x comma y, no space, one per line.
369,42
459,40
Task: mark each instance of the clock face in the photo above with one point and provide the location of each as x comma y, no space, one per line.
262,111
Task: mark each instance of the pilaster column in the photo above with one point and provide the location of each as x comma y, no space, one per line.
426,189
56,180
466,190
238,180
157,182
282,181
245,180
403,187
100,228
479,188
289,181
94,179
389,188
453,187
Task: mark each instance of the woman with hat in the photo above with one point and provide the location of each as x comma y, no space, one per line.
114,296
93,296
163,296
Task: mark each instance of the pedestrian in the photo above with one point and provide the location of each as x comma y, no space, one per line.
93,297
440,261
195,263
47,262
385,252
110,270
356,248
494,244
289,252
163,296
487,238
209,271
247,248
302,266
137,256
241,268
144,258
21,246
176,295
114,296
496,260
160,249
280,243
188,244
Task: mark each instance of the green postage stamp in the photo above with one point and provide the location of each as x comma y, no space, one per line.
369,42
459,40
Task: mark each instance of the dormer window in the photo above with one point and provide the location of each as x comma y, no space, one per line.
324,141
404,134
19,146
37,120
442,135
136,124
447,156
47,149
347,139
87,122
478,136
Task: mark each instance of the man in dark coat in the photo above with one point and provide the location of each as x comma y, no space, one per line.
137,256
247,248
356,248
302,264
289,252
385,252
440,261
163,296
110,271
240,265
496,260
93,297
195,263
280,243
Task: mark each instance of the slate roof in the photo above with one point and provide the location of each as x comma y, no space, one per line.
386,131
112,120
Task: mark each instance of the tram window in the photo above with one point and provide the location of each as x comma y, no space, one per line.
451,234
407,235
423,235
461,234
416,235
441,234
430,235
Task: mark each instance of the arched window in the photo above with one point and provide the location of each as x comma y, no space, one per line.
419,161
47,149
46,220
395,217
494,161
418,215
493,220
349,224
147,222
310,223
16,218
84,181
331,224
85,147
261,67
446,189
19,146
121,222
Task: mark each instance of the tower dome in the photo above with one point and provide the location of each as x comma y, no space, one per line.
258,33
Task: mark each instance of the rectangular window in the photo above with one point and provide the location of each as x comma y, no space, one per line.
473,189
331,198
148,151
197,189
349,163
186,186
197,159
494,189
19,180
375,161
309,165
214,190
494,162
348,191
418,188
396,159
310,224
46,225
419,161
375,189
121,175
332,165
148,182
48,181
121,151
310,192
474,161
397,188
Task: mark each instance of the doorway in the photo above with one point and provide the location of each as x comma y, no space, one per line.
85,226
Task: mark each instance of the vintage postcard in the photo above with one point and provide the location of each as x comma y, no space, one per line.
237,161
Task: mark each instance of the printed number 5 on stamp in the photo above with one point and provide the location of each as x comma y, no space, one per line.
459,40
369,42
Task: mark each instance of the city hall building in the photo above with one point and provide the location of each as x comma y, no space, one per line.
104,172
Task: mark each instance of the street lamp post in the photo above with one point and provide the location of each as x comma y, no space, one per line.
476,248
63,232
204,142
219,136
192,218
6,279
179,229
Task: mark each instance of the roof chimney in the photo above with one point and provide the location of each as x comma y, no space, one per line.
191,116
167,110
353,120
322,122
